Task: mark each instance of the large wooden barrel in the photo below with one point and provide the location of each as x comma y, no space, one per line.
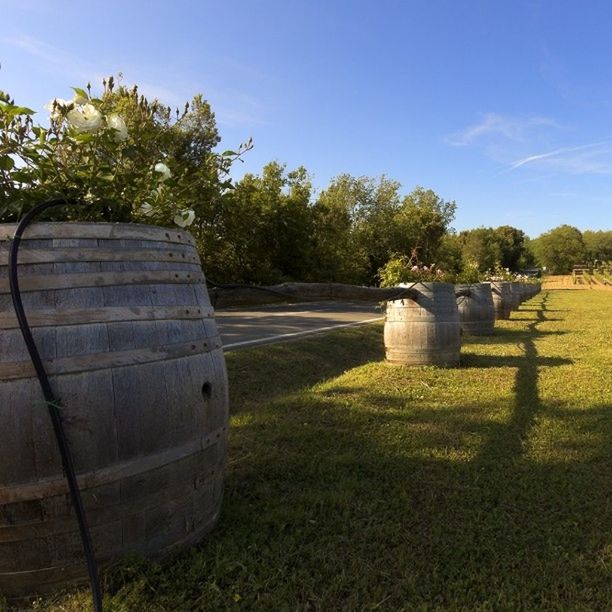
424,330
121,315
502,299
476,311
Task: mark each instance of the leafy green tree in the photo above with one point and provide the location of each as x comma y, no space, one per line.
486,248
374,207
480,248
528,258
450,259
291,225
337,255
560,248
362,223
354,235
598,245
511,243
422,221
264,227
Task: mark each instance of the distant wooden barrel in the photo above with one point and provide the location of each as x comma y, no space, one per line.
122,319
516,294
502,299
424,331
476,311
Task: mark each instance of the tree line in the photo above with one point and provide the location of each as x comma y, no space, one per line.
273,227
130,159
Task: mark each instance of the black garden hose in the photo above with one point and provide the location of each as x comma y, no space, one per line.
53,403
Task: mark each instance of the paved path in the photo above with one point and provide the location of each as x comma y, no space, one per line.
241,327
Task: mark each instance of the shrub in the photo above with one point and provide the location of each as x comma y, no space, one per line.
126,157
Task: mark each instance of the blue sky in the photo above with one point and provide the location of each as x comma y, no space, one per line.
505,107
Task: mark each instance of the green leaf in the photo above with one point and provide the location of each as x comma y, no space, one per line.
22,110
82,136
228,153
21,176
80,92
11,111
7,162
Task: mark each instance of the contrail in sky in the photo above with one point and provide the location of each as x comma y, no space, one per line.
532,158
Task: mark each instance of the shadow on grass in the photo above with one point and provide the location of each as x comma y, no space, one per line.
388,499
507,442
495,361
521,319
348,497
268,371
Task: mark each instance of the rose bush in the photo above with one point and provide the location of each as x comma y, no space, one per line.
407,269
125,157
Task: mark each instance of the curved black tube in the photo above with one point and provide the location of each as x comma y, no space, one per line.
53,404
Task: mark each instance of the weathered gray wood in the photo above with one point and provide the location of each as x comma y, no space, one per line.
424,331
123,231
74,316
116,471
502,299
14,370
476,310
129,362
44,283
102,254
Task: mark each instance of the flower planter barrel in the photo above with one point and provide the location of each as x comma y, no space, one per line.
424,330
121,316
476,311
502,299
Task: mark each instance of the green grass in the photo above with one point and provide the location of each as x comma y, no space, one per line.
356,485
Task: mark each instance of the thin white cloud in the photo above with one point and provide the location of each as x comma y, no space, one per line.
592,158
233,109
52,58
506,140
556,153
248,113
56,61
493,125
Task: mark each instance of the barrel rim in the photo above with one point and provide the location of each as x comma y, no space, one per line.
427,284
47,229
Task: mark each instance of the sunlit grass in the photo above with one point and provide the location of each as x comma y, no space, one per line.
356,485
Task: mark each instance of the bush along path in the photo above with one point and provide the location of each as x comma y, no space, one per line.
355,484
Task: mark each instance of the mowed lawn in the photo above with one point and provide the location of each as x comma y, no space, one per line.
356,485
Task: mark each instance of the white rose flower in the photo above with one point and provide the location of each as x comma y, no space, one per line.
118,124
56,106
184,218
163,170
86,118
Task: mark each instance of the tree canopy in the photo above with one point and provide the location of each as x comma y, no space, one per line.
560,248
132,159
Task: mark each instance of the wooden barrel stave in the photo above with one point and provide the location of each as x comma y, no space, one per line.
502,300
174,499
